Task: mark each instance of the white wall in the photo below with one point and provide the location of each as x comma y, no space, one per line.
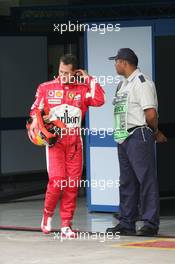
104,160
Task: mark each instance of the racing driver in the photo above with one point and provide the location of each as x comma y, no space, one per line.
68,100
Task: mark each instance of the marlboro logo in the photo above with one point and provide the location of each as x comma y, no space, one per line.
69,120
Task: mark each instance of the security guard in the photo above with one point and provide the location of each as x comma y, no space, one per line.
136,130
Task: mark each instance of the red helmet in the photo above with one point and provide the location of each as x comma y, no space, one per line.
44,134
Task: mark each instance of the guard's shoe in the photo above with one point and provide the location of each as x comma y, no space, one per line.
67,232
120,230
46,224
147,231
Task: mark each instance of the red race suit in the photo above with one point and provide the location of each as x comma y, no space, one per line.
68,103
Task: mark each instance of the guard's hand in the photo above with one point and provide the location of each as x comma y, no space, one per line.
160,137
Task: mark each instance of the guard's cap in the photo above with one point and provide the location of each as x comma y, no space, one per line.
126,54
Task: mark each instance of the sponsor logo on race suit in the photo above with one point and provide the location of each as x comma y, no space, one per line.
68,114
58,94
54,101
50,93
77,97
55,94
69,119
71,95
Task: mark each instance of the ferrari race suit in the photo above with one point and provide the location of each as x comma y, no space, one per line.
68,103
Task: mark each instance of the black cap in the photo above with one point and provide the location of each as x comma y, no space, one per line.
126,54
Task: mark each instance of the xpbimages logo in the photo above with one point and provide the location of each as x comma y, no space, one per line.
102,28
98,236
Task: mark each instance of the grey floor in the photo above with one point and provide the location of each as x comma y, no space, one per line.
23,247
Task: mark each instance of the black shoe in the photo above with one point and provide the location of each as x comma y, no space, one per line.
120,230
147,231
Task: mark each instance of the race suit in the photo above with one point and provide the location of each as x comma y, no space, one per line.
68,103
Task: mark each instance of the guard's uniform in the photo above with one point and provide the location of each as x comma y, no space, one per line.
136,150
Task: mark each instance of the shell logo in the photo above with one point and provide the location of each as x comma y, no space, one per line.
58,94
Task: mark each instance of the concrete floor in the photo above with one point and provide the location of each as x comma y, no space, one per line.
23,247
